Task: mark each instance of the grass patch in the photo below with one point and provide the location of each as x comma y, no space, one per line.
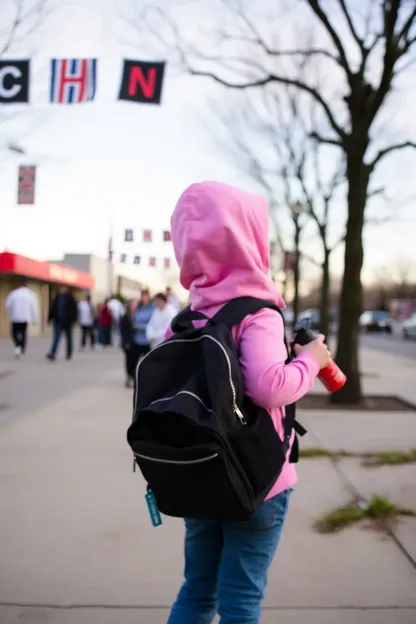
379,509
313,453
370,459
389,458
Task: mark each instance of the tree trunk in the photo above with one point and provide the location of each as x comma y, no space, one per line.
296,275
324,321
351,293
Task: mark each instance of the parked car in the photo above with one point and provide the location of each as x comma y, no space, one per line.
376,321
409,328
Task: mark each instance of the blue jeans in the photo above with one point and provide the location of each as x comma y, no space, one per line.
226,566
58,328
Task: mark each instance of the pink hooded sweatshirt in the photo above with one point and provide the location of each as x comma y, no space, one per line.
221,239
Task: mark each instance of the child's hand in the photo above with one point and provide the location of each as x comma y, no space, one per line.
317,348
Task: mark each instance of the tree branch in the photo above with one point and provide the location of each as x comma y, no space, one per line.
403,34
323,18
352,28
13,28
338,242
325,140
384,152
260,82
391,14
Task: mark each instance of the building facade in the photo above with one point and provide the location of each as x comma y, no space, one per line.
44,279
107,281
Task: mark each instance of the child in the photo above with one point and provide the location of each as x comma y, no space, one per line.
221,239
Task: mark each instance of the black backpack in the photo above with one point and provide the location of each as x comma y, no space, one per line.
204,448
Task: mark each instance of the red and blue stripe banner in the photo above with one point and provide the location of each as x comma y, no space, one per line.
73,80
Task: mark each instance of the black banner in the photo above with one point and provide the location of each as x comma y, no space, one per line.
142,82
14,82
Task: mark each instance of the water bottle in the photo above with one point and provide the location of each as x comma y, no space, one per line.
331,375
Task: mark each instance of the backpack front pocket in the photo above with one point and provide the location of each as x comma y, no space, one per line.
192,482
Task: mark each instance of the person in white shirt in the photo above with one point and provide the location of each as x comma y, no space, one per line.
86,319
22,306
174,301
117,309
160,320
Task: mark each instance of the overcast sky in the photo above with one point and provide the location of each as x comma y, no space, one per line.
124,163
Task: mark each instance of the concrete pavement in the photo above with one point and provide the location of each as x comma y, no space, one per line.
76,543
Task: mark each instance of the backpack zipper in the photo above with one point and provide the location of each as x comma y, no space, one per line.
236,409
201,460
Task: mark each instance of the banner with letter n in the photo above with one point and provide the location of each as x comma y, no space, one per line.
26,184
142,82
73,80
14,82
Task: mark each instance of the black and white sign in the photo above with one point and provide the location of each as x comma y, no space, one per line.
14,82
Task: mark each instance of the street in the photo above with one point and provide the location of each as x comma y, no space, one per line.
394,344
76,541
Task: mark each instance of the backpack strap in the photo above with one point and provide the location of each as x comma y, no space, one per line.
237,309
183,320
232,314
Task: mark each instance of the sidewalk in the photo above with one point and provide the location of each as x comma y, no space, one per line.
77,545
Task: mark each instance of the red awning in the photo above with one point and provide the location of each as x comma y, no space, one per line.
44,271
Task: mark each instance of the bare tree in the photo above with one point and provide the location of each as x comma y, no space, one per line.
363,48
267,135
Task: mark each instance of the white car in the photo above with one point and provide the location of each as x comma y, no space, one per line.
409,328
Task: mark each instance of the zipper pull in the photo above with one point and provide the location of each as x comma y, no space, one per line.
240,415
134,464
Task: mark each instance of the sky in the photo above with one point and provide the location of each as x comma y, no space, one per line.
108,165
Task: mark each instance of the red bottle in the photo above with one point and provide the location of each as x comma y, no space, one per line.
331,376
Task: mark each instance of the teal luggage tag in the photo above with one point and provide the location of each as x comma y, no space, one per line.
154,512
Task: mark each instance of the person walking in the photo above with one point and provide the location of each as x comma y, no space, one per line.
22,306
117,309
142,317
62,315
221,240
160,321
86,319
127,333
105,321
172,299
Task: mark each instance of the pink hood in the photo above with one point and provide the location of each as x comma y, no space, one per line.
221,239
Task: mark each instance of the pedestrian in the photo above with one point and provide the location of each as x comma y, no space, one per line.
105,322
62,315
22,306
160,320
86,318
174,301
141,319
98,328
117,310
225,255
127,333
